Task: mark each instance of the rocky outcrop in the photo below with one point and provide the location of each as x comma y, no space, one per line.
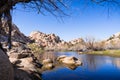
44,39
19,63
48,41
77,45
25,64
53,42
76,41
6,69
16,34
61,46
113,42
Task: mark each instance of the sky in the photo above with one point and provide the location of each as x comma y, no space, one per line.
84,20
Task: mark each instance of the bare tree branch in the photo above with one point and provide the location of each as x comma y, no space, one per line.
55,7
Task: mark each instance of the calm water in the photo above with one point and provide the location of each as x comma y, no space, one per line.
94,68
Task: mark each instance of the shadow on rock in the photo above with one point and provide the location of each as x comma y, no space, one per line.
25,75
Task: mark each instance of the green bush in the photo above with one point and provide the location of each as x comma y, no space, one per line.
36,49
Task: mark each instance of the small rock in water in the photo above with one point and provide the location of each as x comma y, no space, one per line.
46,61
71,60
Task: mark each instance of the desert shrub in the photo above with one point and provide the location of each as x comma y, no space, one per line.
36,49
99,46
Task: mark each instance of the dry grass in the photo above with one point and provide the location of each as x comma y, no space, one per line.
115,53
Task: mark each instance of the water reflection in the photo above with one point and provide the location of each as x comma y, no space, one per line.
94,68
116,62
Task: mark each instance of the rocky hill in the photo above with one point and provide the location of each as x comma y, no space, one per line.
48,41
24,63
52,41
16,34
44,39
76,41
113,42
77,45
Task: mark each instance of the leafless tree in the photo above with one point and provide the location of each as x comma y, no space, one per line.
110,5
54,7
106,1
89,42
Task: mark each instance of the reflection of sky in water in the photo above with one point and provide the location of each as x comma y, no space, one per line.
93,68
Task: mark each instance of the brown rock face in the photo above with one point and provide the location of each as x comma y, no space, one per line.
6,69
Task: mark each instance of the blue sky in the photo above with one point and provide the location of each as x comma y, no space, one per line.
91,20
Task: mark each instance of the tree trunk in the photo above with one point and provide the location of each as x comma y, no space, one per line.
9,21
9,35
0,23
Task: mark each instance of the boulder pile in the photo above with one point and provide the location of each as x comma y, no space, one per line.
25,64
19,63
46,40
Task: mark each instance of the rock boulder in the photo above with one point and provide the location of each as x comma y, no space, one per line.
69,60
6,69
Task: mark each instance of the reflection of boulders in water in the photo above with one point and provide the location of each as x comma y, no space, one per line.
72,67
48,55
116,62
71,62
47,64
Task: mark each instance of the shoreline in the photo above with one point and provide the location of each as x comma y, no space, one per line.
112,53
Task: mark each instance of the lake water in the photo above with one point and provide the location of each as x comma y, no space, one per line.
94,68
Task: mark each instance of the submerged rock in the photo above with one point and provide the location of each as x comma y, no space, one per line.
47,64
46,61
60,58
